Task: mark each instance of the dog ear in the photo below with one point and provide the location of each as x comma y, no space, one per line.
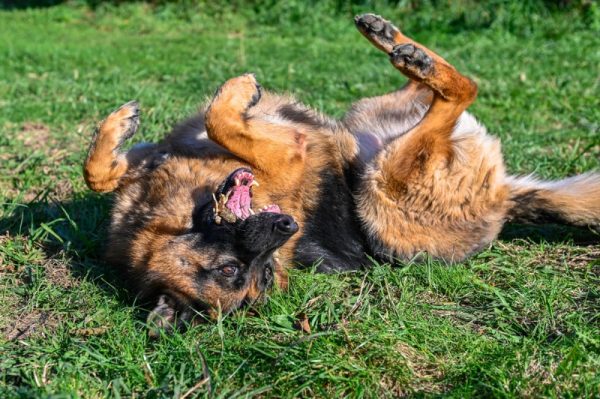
165,316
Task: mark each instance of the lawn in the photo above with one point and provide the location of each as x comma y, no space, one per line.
521,319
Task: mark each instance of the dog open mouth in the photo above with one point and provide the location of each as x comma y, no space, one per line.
233,199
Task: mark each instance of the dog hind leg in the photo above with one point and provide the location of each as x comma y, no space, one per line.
439,187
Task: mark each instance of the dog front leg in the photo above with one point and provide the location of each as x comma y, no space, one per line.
263,145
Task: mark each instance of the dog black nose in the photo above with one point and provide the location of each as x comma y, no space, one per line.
286,225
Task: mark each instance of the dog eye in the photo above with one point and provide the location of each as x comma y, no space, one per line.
228,270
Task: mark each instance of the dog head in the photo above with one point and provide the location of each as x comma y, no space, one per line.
228,259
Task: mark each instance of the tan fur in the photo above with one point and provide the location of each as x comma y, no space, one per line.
575,200
440,186
297,152
426,176
448,207
155,196
104,166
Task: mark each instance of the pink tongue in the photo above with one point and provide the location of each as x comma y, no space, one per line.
239,201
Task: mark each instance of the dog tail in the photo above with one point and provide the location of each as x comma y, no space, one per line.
573,201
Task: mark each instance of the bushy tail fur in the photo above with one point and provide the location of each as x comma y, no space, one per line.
574,201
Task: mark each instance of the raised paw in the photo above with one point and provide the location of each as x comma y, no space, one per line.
240,93
105,164
121,124
412,60
378,30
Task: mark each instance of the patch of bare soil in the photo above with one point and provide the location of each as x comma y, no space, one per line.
570,258
38,138
34,135
560,257
17,320
29,323
58,274
10,303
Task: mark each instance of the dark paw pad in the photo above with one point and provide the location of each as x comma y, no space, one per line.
371,22
413,58
376,27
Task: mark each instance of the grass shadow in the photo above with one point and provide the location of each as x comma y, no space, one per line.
550,233
71,232
24,4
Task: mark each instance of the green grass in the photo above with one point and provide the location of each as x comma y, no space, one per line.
521,319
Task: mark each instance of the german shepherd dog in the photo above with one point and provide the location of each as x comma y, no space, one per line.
209,218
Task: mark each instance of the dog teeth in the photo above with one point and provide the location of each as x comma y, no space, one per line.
251,211
254,183
237,181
